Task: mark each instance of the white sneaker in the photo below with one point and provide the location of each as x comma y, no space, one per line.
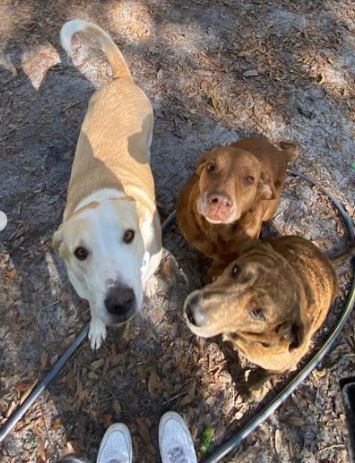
116,445
175,440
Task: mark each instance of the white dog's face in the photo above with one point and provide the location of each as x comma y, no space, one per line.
102,247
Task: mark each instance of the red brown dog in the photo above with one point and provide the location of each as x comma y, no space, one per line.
233,190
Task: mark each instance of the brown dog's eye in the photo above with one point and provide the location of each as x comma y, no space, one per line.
249,180
211,166
235,270
81,253
128,236
258,314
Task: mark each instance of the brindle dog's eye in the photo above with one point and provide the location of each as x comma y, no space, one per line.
128,236
235,270
81,253
258,314
249,180
211,166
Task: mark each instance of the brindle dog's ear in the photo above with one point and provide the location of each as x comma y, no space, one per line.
297,336
254,244
266,187
57,238
293,333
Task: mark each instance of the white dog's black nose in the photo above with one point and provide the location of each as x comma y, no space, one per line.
120,302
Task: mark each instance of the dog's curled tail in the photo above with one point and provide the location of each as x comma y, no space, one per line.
115,58
291,150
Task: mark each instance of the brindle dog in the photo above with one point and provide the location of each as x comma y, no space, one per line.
269,303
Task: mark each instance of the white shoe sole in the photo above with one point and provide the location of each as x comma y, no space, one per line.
122,429
181,423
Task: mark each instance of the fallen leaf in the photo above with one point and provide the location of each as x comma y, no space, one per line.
143,431
214,102
92,375
153,382
56,424
278,441
41,453
96,364
251,73
116,406
44,360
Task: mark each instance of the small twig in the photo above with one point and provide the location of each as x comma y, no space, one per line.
71,105
44,422
222,362
49,305
167,401
334,446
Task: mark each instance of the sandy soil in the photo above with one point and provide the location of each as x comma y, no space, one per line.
215,71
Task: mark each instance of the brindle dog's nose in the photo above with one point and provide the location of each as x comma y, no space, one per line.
192,311
120,302
219,199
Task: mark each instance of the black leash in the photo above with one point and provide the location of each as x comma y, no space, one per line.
53,372
232,444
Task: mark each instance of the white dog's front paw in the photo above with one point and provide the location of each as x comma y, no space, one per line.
97,333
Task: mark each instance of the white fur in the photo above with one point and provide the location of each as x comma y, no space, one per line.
100,195
68,30
97,333
80,25
100,230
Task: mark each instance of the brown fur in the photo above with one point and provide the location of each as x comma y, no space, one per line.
113,146
254,204
270,309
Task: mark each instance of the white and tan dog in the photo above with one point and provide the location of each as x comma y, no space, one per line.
110,238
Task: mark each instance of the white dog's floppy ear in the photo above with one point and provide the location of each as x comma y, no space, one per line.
57,238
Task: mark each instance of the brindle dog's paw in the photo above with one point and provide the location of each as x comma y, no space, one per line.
256,386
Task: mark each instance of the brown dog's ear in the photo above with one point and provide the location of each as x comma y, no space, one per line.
200,166
266,187
57,238
293,333
291,150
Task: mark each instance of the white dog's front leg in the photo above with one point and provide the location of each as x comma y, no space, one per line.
97,333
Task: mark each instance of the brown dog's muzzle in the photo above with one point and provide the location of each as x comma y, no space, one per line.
217,207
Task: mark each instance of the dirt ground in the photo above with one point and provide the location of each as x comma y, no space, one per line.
215,71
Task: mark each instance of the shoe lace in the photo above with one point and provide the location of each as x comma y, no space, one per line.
177,455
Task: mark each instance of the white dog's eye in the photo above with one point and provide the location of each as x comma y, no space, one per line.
81,253
128,236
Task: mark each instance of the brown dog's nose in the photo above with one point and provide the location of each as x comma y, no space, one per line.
120,302
218,207
192,311
219,199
